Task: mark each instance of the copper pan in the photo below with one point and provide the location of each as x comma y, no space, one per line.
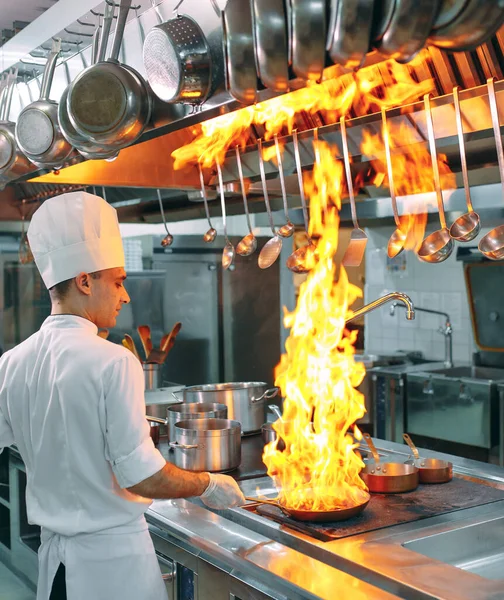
430,470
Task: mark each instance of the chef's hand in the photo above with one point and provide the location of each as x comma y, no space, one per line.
222,492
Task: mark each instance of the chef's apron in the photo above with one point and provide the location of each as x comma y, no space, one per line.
119,563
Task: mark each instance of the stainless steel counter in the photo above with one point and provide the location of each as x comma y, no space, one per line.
454,556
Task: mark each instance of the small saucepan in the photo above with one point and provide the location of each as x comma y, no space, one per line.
388,478
268,433
430,470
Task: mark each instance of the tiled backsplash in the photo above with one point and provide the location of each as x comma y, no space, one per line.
436,286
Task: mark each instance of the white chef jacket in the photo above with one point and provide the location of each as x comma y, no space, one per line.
74,405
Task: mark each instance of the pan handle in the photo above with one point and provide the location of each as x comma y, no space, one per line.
268,394
156,420
174,394
183,446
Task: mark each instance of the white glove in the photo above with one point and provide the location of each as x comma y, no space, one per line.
222,492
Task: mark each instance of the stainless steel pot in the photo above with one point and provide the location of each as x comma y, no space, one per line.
207,445
245,400
187,412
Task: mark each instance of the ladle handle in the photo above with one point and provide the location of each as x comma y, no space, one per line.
390,172
372,447
282,178
494,111
95,44
463,159
412,446
242,185
47,78
348,171
222,198
433,153
265,189
204,194
299,171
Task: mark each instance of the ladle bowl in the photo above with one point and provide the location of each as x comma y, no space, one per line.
436,247
247,245
286,230
228,254
466,227
210,235
167,240
302,259
492,244
396,243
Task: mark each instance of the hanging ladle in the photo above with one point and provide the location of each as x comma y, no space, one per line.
437,246
492,244
210,235
288,229
168,238
272,248
301,260
398,238
248,244
228,253
466,227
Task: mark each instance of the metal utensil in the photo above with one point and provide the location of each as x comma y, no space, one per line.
38,132
398,238
145,336
437,246
492,244
308,37
211,234
288,229
168,238
271,43
301,260
248,244
228,253
349,31
430,470
271,250
466,227
358,239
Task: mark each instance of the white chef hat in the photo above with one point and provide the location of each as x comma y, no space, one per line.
75,233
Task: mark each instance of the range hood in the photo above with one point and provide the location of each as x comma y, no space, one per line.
131,181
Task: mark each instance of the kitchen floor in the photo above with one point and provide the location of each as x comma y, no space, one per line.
12,588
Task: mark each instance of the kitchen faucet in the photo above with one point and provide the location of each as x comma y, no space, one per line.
446,331
397,296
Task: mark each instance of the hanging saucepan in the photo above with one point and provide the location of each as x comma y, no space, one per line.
178,61
13,163
37,129
108,103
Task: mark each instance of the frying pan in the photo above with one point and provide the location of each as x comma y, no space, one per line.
38,132
308,27
117,118
430,470
388,478
316,516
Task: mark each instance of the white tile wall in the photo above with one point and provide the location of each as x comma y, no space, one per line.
438,286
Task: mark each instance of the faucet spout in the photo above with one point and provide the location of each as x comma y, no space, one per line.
394,296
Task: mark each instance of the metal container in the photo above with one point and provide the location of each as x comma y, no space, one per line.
268,434
245,401
152,374
187,412
392,478
207,445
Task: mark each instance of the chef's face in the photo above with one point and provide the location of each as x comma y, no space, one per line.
108,296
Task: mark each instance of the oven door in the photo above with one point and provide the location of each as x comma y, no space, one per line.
169,573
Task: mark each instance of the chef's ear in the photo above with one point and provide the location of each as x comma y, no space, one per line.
83,283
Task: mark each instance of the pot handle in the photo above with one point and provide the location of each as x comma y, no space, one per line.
183,446
156,420
268,394
174,394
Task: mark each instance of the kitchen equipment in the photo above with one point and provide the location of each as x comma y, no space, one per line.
189,411
177,60
322,516
301,260
288,229
228,253
466,29
466,227
129,343
207,445
398,238
38,132
358,239
271,250
116,119
239,57
492,244
245,400
349,31
152,375
408,29
145,337
248,244
211,234
449,10
430,470
437,246
268,434
168,238
271,43
388,478
308,37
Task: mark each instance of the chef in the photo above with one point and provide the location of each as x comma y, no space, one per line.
74,406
